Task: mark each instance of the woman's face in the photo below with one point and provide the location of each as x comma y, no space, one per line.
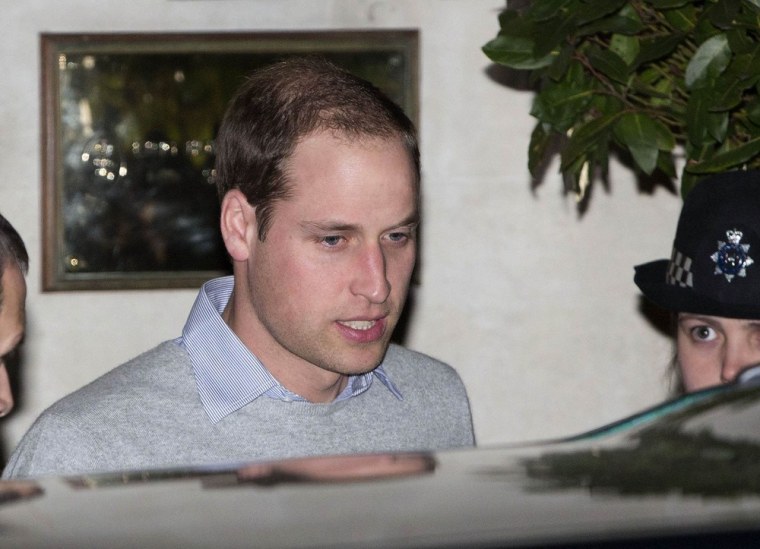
713,350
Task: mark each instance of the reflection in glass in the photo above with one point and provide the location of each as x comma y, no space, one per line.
136,148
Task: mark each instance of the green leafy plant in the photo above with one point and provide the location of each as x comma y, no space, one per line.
647,78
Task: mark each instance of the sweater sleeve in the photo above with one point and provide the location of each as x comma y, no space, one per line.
52,446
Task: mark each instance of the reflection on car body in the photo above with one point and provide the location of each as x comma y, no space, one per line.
686,473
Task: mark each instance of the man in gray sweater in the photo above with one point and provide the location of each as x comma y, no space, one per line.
319,177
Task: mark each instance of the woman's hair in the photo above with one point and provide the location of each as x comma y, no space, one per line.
673,373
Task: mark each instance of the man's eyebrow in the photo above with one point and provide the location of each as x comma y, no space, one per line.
341,226
412,219
337,226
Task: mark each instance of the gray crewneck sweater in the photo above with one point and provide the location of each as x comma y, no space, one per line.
147,414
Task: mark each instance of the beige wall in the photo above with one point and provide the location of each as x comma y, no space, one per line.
533,305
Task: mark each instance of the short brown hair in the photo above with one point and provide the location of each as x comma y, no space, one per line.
282,103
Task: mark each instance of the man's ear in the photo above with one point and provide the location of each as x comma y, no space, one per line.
238,225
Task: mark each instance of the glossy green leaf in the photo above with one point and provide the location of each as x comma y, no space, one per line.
728,94
600,157
649,75
740,75
717,125
755,3
587,12
540,140
667,4
748,20
584,138
733,158
572,175
710,59
515,52
722,14
578,77
753,111
666,164
651,49
553,33
605,104
559,68
683,19
559,106
740,41
617,24
643,137
541,11
659,93
640,130
507,16
627,47
704,30
745,66
515,44
609,63
561,103
697,111
645,157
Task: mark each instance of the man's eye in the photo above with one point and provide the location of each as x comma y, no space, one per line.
331,241
703,333
398,237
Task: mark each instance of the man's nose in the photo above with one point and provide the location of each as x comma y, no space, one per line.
370,279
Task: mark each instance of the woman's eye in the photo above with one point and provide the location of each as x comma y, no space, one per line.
703,333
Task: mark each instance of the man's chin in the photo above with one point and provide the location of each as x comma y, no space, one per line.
361,363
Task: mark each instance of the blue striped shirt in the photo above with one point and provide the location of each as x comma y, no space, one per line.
227,373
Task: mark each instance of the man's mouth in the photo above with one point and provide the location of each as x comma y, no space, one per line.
358,324
363,330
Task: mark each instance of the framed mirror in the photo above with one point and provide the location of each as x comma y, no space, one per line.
128,127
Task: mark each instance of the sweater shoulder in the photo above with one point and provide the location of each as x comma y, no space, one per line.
156,370
414,371
402,361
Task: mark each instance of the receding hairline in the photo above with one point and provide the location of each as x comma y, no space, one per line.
361,139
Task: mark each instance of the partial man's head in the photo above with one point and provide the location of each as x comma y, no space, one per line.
14,262
319,176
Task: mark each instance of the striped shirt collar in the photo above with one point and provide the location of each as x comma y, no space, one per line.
228,375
